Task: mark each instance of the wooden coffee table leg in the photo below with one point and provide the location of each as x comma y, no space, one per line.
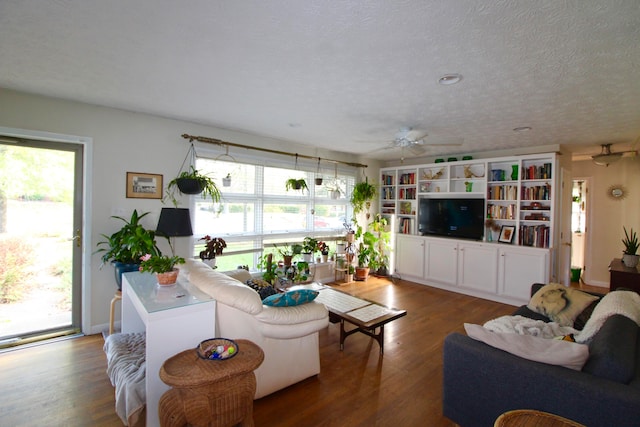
342,334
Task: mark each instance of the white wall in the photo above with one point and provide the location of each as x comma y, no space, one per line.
124,142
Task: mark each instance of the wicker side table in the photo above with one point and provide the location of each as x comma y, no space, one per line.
210,392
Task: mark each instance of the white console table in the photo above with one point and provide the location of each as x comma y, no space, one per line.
175,318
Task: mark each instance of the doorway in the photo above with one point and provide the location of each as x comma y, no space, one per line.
579,231
40,239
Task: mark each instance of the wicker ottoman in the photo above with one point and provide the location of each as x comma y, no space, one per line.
210,392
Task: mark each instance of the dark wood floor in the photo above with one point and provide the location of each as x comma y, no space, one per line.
65,384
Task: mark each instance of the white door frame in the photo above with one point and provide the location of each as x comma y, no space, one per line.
87,143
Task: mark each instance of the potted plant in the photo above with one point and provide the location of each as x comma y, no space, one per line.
296,184
268,268
350,272
309,246
213,246
362,195
163,266
492,227
287,252
192,182
630,241
124,248
334,190
380,228
324,251
226,181
350,237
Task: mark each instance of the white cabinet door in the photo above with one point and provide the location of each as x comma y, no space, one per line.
441,261
478,266
410,255
519,268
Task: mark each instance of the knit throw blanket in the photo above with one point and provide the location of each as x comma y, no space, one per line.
626,303
126,370
525,326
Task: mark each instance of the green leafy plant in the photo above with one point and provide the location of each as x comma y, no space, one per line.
296,184
206,185
129,243
309,245
289,250
362,195
159,263
630,242
268,268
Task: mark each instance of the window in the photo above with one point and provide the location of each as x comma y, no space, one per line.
256,211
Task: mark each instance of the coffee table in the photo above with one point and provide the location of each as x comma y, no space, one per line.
365,315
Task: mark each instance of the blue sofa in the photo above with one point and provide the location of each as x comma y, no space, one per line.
481,382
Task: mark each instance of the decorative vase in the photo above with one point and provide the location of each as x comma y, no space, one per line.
168,278
514,172
630,261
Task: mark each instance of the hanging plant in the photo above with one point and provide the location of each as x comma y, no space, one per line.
296,184
363,193
192,182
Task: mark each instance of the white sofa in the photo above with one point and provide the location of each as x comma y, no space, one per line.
287,335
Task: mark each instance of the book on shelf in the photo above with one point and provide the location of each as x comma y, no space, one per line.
407,193
405,225
503,192
407,178
501,211
537,192
387,179
534,235
537,172
388,193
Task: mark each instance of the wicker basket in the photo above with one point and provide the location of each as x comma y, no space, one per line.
217,349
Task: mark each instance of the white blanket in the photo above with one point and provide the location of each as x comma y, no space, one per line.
126,369
525,326
626,303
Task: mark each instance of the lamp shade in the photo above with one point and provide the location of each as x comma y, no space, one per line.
606,156
174,222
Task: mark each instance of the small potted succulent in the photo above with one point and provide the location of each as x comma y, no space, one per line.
630,241
163,266
213,246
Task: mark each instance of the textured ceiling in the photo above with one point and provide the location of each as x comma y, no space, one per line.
345,75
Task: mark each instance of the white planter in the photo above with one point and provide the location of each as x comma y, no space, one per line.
630,261
340,247
307,257
210,262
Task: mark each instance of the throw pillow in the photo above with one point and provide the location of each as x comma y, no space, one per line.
560,303
553,352
291,298
262,287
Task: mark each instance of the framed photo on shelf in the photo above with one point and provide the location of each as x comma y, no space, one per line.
144,185
506,234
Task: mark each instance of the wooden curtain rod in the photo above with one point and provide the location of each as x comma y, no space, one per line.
207,140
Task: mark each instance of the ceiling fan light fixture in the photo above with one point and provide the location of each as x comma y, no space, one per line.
606,157
450,79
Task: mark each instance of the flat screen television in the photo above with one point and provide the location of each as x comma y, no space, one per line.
449,217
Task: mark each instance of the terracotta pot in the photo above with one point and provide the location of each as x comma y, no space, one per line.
169,278
362,273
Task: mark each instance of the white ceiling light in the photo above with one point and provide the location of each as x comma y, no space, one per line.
450,79
606,156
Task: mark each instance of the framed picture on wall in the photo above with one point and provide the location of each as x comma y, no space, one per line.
506,233
144,185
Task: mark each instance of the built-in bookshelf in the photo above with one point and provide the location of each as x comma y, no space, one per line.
518,192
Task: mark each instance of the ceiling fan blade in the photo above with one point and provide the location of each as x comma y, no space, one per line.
443,141
417,149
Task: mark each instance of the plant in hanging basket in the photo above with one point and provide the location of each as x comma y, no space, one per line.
296,184
193,182
363,193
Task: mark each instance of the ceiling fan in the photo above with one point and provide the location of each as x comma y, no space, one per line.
606,156
406,138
